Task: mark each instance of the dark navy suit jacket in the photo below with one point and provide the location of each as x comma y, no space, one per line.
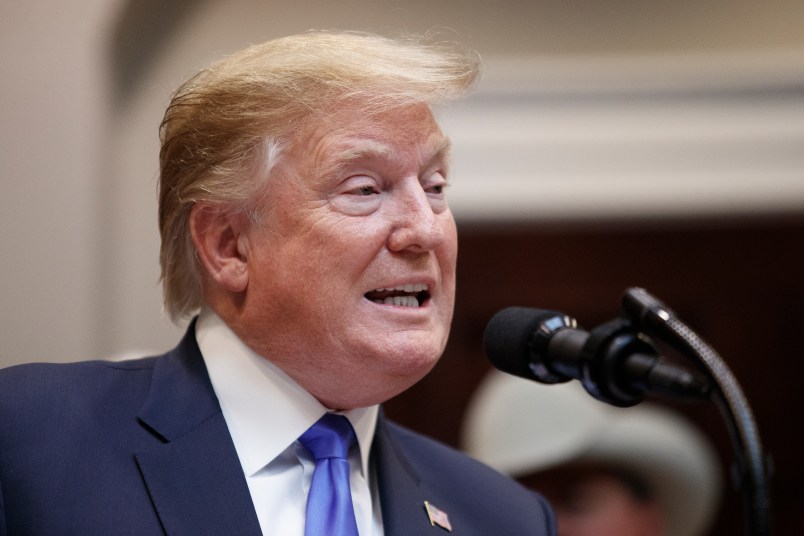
141,447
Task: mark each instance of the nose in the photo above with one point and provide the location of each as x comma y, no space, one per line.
416,225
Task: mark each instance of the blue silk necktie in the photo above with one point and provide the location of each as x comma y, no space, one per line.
329,502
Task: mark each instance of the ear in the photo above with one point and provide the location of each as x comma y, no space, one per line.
219,239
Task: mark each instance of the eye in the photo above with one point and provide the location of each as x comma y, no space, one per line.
435,184
358,195
360,186
437,189
365,190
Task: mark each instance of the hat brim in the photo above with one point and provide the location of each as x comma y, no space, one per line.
519,427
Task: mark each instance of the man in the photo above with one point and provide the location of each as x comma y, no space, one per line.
640,471
303,213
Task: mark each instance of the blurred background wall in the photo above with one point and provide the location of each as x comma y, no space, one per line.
609,144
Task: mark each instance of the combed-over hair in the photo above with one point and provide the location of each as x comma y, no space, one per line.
225,128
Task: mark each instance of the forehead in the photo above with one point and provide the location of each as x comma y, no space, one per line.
347,135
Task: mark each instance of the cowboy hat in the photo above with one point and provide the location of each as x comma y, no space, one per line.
520,427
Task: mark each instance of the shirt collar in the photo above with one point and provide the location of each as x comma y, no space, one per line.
265,410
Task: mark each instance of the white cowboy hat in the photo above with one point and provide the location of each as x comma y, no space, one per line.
519,427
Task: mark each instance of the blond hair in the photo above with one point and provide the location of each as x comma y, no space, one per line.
225,128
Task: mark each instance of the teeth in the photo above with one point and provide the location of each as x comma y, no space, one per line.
403,301
409,299
410,287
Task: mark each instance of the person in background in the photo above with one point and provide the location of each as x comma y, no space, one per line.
306,232
607,471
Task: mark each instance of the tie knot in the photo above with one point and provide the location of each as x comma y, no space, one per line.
330,437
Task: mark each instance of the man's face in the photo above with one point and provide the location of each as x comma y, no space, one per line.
352,268
591,500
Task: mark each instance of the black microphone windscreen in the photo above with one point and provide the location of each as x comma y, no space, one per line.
507,339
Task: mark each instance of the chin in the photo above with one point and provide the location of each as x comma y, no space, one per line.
413,364
389,369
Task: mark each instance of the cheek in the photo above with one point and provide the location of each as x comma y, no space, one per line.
448,252
343,250
326,261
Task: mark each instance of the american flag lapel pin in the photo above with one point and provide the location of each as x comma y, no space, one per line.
437,516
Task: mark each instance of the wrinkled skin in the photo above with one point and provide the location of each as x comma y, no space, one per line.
355,205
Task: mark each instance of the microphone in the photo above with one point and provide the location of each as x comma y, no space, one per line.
615,364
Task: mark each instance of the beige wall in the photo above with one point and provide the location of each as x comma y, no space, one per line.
684,106
52,120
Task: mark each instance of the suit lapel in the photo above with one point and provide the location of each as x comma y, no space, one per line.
193,475
402,494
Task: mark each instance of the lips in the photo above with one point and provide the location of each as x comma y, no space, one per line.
408,295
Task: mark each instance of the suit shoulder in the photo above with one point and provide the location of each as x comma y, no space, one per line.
43,387
52,375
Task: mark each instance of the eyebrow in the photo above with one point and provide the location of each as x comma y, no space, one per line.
368,149
374,149
441,151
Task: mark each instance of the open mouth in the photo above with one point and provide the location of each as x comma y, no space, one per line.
410,295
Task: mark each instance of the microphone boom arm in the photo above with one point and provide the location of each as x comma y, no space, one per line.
655,319
618,364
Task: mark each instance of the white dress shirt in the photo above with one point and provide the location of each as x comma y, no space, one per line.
266,412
